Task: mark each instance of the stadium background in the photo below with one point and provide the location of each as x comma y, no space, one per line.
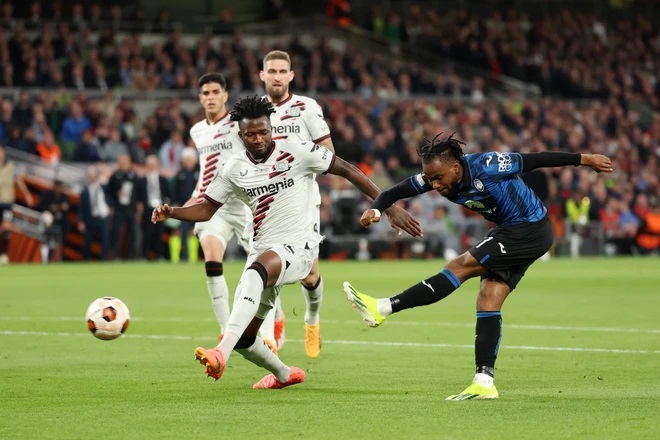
580,342
508,76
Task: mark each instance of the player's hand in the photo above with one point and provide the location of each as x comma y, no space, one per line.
161,213
597,162
369,216
400,219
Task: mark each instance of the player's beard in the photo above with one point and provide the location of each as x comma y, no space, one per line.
277,95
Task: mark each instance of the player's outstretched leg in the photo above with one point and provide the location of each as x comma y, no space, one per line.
257,351
365,305
429,291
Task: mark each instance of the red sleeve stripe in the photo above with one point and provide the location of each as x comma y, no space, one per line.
316,141
215,202
332,163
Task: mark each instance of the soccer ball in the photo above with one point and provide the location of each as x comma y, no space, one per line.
107,318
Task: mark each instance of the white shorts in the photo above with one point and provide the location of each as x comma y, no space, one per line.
296,265
226,223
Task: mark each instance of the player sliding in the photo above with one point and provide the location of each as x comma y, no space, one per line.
272,178
487,183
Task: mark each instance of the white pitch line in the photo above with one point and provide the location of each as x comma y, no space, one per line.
389,323
346,342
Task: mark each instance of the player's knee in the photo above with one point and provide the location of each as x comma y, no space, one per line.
214,269
245,341
261,270
465,266
311,281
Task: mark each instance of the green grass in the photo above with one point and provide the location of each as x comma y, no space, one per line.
579,358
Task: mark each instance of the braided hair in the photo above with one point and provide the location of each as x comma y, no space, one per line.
252,107
445,150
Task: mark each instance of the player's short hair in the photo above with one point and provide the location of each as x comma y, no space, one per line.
251,107
213,77
277,55
445,150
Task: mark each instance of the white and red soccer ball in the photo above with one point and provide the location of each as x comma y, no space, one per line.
107,318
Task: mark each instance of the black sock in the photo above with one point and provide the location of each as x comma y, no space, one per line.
427,292
487,342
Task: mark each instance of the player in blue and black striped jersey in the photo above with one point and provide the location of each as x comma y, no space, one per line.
490,184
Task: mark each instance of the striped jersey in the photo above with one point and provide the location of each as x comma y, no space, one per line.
492,187
277,190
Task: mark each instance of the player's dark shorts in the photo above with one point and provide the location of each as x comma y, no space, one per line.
507,251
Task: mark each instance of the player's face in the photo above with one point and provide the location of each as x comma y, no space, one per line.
442,175
256,135
277,75
213,98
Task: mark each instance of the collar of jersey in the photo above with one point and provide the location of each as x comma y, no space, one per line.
288,98
218,121
265,158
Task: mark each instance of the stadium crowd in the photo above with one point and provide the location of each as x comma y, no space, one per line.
376,122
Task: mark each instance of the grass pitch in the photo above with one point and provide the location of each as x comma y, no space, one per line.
579,358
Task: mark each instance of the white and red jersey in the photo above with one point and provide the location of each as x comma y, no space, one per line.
299,118
277,190
216,144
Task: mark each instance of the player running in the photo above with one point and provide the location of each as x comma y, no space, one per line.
487,183
298,118
272,178
217,140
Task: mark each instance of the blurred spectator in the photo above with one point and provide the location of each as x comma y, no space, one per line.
75,124
9,179
225,23
93,213
56,202
170,151
183,242
123,188
87,149
48,150
339,12
154,191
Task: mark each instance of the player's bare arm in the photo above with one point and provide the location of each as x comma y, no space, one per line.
400,219
199,212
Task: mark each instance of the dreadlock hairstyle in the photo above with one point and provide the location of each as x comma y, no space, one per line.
252,107
448,149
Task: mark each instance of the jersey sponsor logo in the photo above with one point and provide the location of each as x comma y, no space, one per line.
271,188
474,204
215,147
478,184
504,162
286,129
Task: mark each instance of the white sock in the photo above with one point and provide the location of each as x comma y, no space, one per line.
313,298
219,293
246,305
260,355
279,312
483,379
267,330
384,306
